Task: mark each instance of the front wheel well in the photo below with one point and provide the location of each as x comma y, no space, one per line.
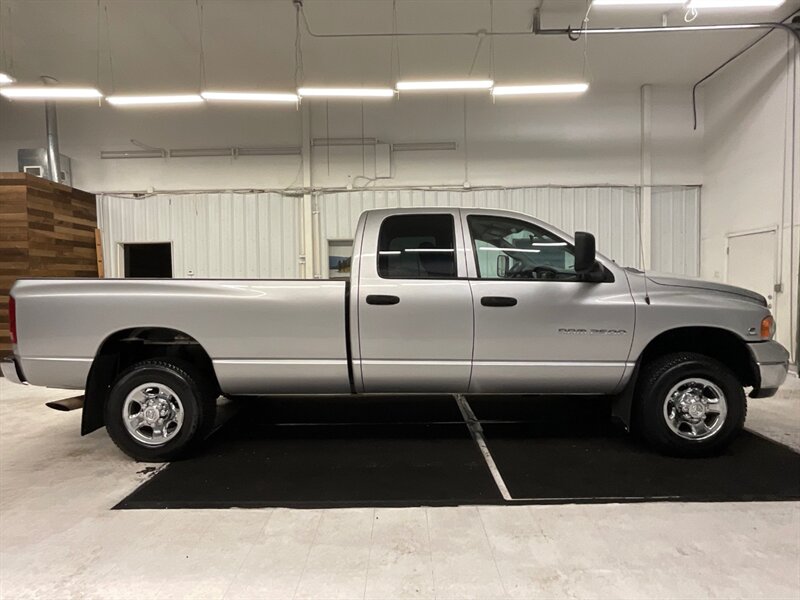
125,348
720,344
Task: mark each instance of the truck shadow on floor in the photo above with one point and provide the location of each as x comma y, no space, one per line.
381,451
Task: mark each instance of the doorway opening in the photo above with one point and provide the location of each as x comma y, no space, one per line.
148,260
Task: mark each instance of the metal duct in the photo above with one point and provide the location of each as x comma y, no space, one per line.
51,122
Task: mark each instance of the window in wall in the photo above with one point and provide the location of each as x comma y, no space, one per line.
417,247
148,260
340,258
512,249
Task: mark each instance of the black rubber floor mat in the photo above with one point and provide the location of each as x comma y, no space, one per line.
543,463
342,452
353,409
253,462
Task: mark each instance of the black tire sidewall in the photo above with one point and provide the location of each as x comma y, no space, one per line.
182,384
663,377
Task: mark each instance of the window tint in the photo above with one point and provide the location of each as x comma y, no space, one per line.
417,247
512,249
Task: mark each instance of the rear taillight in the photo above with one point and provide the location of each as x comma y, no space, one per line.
12,319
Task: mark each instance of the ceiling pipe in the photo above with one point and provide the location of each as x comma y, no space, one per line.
51,123
575,34
794,27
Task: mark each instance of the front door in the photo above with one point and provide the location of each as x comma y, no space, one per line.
414,304
538,329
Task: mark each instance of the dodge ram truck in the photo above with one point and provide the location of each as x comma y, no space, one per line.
440,300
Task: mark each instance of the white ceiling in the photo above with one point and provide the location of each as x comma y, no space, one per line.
154,44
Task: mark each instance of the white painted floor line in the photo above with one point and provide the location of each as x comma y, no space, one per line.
476,430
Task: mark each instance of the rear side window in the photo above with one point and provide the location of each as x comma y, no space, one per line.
417,247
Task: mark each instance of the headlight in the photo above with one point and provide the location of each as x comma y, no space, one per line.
767,327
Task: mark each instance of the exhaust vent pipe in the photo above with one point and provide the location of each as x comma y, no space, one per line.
51,122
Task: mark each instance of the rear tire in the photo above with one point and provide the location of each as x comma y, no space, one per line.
689,404
160,410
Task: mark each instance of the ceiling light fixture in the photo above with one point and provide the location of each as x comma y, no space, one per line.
346,92
114,154
154,100
50,92
735,3
250,97
636,2
5,79
423,146
694,3
524,90
431,86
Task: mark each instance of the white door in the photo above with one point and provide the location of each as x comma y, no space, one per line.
751,262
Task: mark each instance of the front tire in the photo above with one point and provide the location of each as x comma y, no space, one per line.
689,404
159,410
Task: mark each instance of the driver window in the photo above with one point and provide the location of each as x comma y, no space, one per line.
511,249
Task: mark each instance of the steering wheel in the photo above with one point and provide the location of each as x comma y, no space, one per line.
517,271
543,272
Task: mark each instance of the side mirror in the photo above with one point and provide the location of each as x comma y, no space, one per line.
502,265
585,259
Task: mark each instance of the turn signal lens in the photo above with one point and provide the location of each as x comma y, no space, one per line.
767,327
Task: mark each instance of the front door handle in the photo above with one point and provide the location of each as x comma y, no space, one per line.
381,299
498,301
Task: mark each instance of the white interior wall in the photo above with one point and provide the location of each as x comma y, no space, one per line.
591,139
751,123
258,235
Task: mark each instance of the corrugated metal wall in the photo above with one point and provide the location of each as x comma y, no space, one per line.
675,225
608,212
213,235
257,235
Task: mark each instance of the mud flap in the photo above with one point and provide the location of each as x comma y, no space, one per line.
622,403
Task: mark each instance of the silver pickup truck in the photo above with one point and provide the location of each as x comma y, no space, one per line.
440,300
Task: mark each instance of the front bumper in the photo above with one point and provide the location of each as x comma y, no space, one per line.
771,365
11,370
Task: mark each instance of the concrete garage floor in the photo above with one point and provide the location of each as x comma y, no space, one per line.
59,538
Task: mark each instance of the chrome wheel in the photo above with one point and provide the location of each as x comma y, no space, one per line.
153,414
695,409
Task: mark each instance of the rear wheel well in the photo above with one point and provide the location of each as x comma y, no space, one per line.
723,345
128,347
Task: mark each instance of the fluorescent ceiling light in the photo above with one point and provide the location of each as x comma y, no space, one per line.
50,92
150,100
636,2
422,146
269,151
346,92
522,90
5,79
694,3
199,152
735,3
108,154
250,96
371,141
421,86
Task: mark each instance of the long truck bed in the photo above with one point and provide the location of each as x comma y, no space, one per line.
290,333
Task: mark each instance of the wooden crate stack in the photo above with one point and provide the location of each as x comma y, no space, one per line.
46,230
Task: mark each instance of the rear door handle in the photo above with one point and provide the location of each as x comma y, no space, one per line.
498,301
381,299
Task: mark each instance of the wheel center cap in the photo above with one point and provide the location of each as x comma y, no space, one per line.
151,414
696,410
